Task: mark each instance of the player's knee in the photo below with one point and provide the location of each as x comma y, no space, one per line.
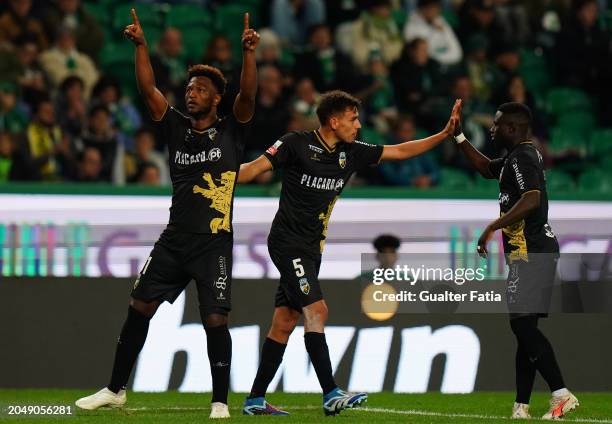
147,309
283,327
212,319
316,313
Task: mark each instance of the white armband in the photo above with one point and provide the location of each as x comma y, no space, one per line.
460,138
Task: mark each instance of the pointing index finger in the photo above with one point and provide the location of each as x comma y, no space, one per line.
246,21
134,17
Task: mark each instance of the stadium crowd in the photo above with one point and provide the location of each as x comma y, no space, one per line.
69,110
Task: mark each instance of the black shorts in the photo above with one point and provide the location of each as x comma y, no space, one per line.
529,285
177,258
299,282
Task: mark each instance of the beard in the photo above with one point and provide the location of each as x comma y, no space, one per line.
200,113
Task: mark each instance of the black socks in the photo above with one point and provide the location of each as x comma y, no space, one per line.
317,349
130,343
271,357
219,342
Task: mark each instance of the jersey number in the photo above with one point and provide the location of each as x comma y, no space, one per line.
299,268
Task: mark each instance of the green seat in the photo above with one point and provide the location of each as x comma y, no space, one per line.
99,12
563,100
148,15
454,179
596,180
563,140
534,71
120,53
601,143
195,44
559,181
370,135
229,21
187,16
577,122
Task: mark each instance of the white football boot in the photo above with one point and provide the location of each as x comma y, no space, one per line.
102,398
219,410
520,411
561,405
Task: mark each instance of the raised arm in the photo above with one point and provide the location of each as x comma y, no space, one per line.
145,80
409,149
479,161
244,105
249,170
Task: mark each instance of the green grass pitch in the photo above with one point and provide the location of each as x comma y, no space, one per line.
173,407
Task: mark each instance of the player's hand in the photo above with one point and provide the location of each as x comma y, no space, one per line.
250,37
484,239
134,31
455,117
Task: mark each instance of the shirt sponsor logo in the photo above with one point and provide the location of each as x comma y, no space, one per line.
519,177
274,148
214,154
322,183
181,158
342,159
504,198
315,148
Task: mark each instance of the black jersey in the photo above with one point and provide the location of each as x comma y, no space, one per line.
314,177
203,168
519,172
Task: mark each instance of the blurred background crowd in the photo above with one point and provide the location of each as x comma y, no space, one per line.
69,109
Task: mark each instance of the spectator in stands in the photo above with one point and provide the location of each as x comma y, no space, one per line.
64,60
379,99
375,30
427,23
478,16
507,62
219,54
480,70
125,116
169,66
44,150
478,120
328,67
70,14
386,246
304,104
421,171
30,75
148,174
271,112
12,118
6,155
144,152
101,135
89,168
290,19
16,21
414,77
513,17
514,90
269,52
583,50
71,107
339,12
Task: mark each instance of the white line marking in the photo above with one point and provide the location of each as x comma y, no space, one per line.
380,410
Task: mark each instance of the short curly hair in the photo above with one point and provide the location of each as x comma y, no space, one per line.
333,103
210,72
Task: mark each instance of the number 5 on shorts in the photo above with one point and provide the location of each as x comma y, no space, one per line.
299,268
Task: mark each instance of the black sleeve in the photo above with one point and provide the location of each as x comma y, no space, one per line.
526,170
495,167
282,152
165,126
365,154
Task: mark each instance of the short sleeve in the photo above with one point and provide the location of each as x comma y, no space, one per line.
167,124
365,154
282,152
526,171
495,167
